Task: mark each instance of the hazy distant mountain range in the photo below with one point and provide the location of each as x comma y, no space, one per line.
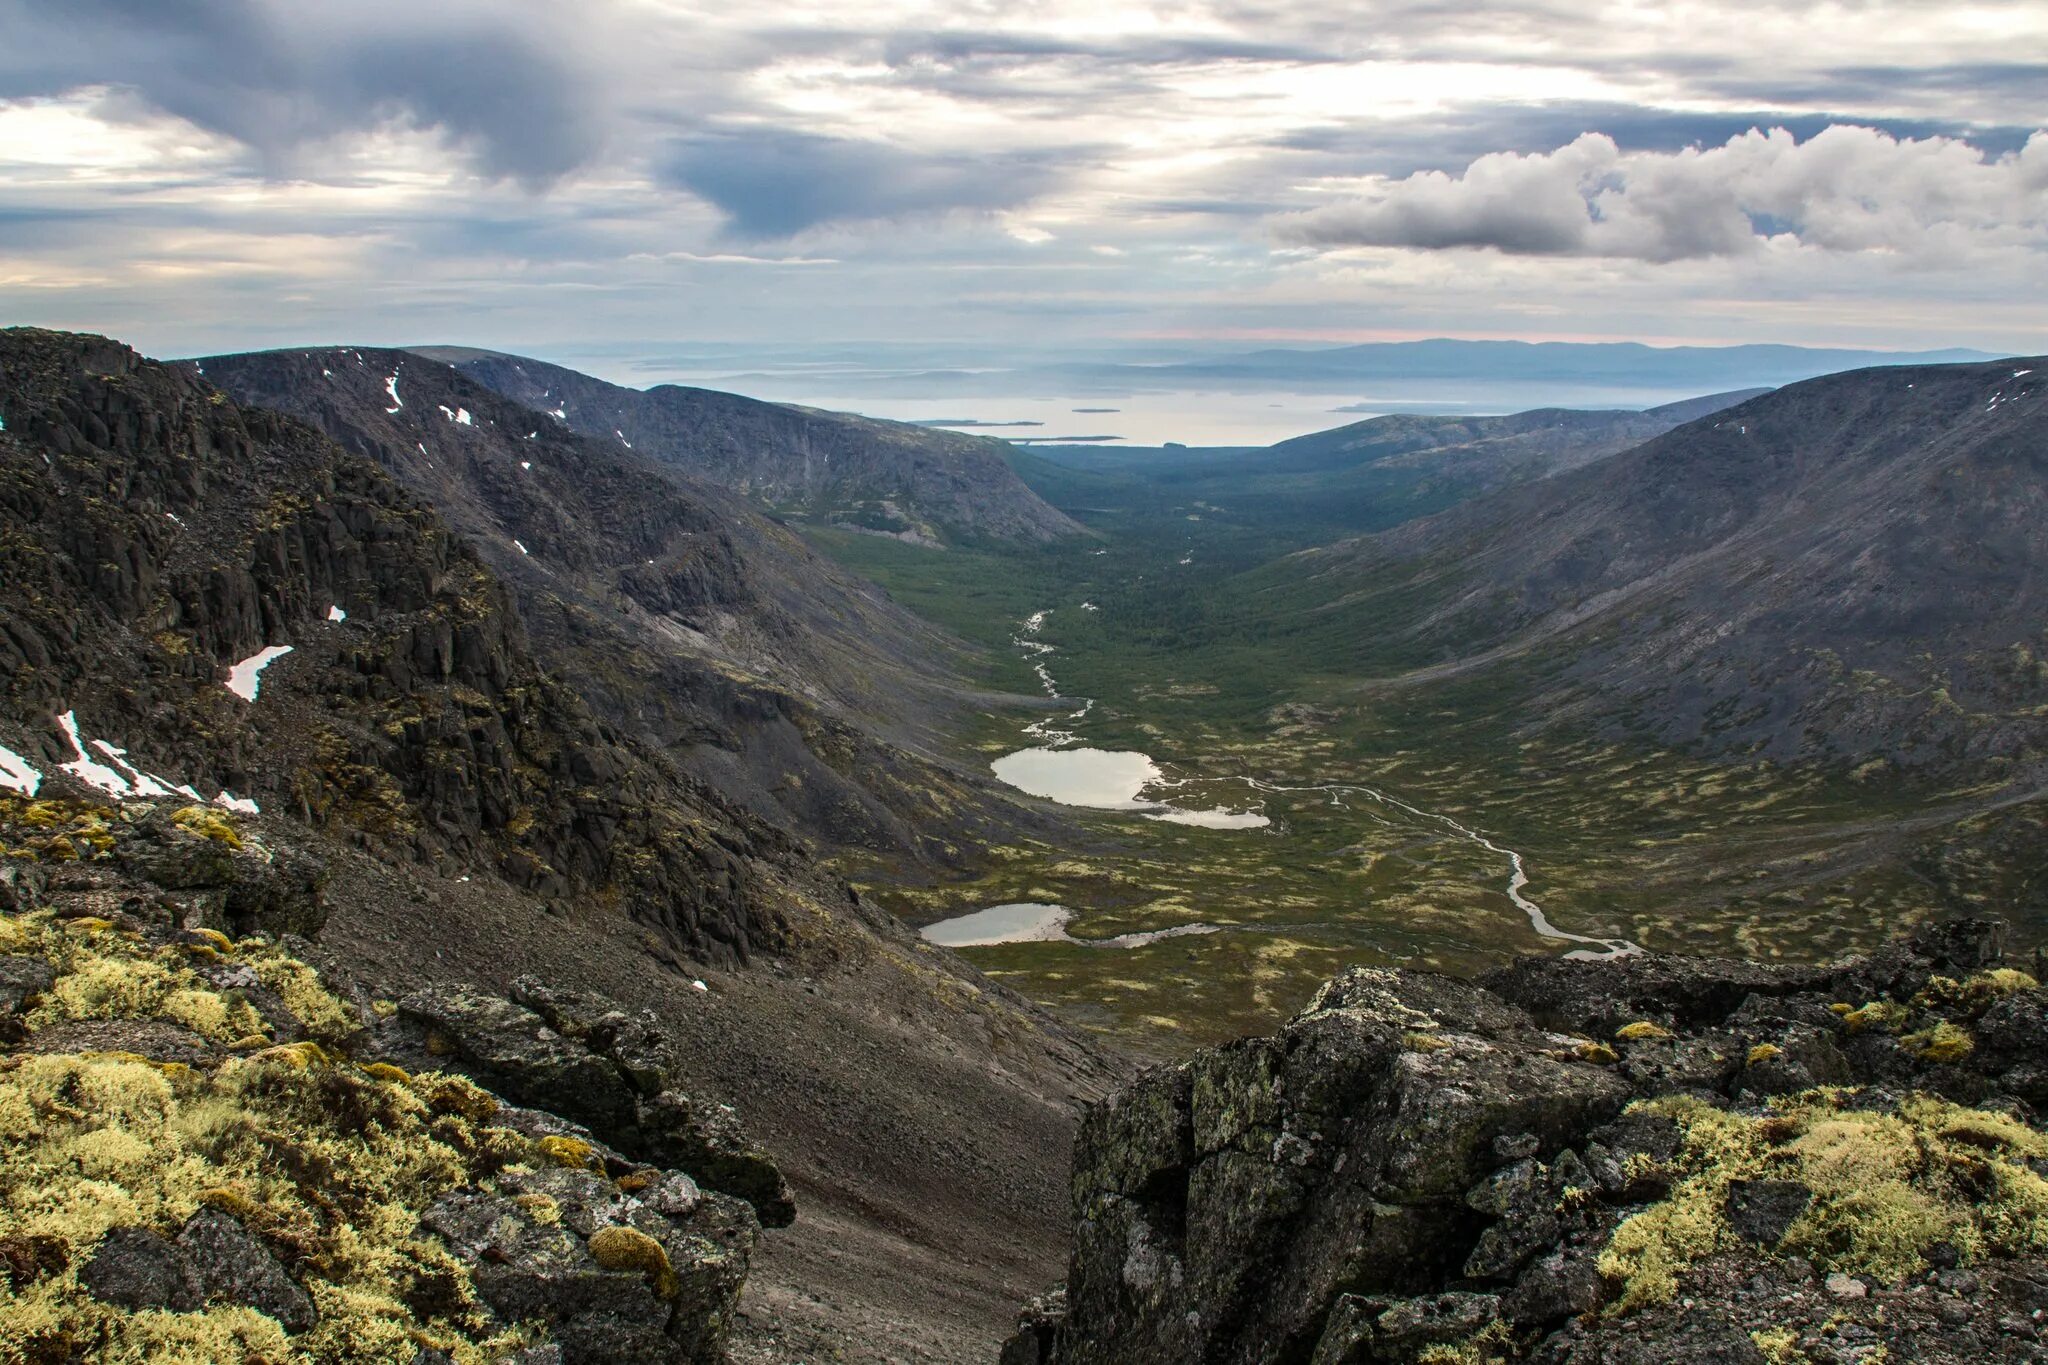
1523,373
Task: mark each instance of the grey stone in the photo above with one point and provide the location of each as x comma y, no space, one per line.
229,1263
136,1268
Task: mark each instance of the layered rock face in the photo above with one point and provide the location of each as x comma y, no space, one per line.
1654,1159
154,534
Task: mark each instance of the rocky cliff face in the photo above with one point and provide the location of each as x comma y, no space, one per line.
687,619
887,477
1648,1160
156,535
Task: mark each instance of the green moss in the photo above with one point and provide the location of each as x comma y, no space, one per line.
1881,1015
573,1152
208,822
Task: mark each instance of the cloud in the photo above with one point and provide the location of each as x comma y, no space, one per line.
779,182
500,81
1846,189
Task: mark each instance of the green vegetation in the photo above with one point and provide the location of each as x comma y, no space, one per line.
328,1162
1887,1188
1226,667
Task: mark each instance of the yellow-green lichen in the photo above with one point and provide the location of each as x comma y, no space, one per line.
1886,1187
619,1248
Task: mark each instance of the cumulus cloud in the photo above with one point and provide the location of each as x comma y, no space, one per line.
776,182
1845,189
500,81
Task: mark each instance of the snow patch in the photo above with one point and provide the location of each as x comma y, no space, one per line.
240,804
391,387
526,464
175,517
246,677
460,416
336,614
142,783
699,986
84,768
16,774
622,438
522,548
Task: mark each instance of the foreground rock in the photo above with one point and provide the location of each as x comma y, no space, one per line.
1650,1160
580,1055
207,1153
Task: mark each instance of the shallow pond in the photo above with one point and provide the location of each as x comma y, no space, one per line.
1022,922
1032,922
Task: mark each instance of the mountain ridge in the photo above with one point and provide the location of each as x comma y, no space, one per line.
891,478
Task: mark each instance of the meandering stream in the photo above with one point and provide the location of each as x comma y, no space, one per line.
1061,769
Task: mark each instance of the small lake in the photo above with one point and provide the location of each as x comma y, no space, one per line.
1033,922
1022,922
1106,779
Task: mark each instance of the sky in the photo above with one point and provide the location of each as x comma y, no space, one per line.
612,182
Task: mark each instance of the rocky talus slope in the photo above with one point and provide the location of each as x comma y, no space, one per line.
1650,1160
892,478
154,535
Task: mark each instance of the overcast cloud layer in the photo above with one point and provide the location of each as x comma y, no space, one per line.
597,177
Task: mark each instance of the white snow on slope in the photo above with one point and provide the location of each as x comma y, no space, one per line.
457,415
140,783
391,387
336,614
83,767
246,677
16,774
522,548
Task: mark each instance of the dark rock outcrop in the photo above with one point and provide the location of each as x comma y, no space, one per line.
578,1055
1419,1169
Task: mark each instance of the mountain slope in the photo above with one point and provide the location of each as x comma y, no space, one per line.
157,535
1491,451
685,617
890,477
449,816
1846,569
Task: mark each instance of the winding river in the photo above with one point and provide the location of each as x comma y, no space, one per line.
1061,769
